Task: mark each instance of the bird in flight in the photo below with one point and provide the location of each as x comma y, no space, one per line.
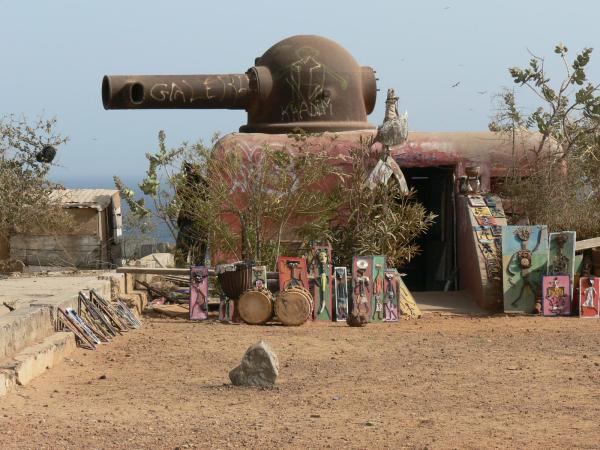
481,92
455,84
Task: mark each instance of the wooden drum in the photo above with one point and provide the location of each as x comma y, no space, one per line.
293,306
255,306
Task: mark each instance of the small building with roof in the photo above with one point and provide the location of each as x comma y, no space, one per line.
93,242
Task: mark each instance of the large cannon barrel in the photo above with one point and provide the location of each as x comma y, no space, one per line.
303,82
229,91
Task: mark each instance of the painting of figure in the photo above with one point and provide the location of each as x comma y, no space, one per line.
322,287
341,293
561,254
557,295
368,286
589,291
378,300
259,276
198,293
524,262
391,294
226,309
362,286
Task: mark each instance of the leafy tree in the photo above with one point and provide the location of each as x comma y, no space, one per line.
194,187
557,182
26,153
278,200
382,220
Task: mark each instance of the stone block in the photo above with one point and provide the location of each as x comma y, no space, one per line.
34,360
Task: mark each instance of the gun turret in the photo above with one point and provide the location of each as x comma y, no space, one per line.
306,82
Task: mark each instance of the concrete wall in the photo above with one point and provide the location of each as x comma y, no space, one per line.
86,221
66,250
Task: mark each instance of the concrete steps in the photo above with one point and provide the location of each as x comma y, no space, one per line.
29,343
35,360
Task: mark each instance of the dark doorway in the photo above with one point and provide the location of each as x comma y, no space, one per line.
434,268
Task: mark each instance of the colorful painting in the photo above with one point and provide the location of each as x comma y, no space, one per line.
226,309
292,272
486,221
477,201
557,295
481,211
490,200
341,293
589,291
198,293
391,287
322,287
496,230
524,262
561,254
497,212
362,285
259,276
484,233
377,302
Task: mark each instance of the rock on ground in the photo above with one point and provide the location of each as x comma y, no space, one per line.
259,367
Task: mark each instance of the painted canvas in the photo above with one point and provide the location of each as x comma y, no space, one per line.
322,288
589,291
292,272
477,201
226,308
198,293
483,233
377,302
341,293
259,276
497,212
486,221
557,295
524,262
561,254
481,211
391,287
362,285
490,200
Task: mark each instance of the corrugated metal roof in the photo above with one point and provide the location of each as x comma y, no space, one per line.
84,198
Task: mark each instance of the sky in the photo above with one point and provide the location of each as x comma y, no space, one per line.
55,53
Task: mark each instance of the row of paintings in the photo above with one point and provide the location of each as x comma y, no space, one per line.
377,292
487,209
541,265
559,302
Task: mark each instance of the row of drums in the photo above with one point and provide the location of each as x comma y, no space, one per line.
292,307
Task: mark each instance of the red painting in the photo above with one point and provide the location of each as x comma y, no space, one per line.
292,272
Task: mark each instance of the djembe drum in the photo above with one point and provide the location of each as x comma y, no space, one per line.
255,306
293,306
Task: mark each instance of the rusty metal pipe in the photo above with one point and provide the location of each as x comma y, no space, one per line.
229,91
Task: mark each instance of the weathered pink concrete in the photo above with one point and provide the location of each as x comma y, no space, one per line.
492,152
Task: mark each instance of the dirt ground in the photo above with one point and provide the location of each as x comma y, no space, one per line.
439,382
